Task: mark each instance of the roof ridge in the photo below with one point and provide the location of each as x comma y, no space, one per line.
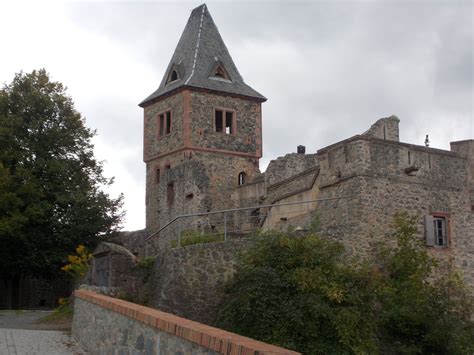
197,45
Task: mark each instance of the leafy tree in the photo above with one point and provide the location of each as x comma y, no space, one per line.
420,312
304,293
51,196
301,293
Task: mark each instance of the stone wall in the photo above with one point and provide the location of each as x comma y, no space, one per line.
154,145
135,241
195,164
113,265
383,178
288,166
202,182
188,281
385,128
105,325
247,136
291,186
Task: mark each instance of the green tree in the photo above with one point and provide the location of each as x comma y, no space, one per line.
301,293
305,293
51,186
421,311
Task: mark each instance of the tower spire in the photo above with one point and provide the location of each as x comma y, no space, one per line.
201,60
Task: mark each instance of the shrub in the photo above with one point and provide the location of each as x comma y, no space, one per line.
301,293
305,293
79,263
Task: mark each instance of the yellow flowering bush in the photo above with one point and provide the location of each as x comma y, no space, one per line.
79,263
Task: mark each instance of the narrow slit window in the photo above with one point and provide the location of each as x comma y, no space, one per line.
157,176
241,178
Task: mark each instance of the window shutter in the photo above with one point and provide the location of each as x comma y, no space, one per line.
429,231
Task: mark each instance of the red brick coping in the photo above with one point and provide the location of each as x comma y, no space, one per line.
206,336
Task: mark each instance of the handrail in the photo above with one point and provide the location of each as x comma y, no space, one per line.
242,209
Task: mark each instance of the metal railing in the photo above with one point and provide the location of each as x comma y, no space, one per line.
232,223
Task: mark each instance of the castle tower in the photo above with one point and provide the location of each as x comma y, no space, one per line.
202,128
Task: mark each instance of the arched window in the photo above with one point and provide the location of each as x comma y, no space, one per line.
241,178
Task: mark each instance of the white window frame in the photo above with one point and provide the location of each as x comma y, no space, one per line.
437,230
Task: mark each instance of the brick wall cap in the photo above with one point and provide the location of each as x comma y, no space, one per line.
183,328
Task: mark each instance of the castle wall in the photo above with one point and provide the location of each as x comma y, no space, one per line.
385,128
202,182
189,281
392,177
285,167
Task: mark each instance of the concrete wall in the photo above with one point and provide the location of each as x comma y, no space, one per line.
105,325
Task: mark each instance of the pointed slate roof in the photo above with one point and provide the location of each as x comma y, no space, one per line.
199,52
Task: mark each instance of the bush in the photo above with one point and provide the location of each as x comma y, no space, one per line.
301,293
304,293
419,314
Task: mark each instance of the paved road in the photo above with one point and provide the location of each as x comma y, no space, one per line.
21,334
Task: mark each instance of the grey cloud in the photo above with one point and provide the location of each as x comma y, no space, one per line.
329,69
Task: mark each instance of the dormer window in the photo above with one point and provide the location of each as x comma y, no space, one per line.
219,72
173,76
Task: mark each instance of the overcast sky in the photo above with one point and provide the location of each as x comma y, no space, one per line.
328,69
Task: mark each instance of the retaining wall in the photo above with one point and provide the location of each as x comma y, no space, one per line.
106,325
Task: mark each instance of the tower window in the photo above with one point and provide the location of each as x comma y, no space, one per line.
170,194
241,178
174,76
157,176
168,122
164,123
219,72
224,121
